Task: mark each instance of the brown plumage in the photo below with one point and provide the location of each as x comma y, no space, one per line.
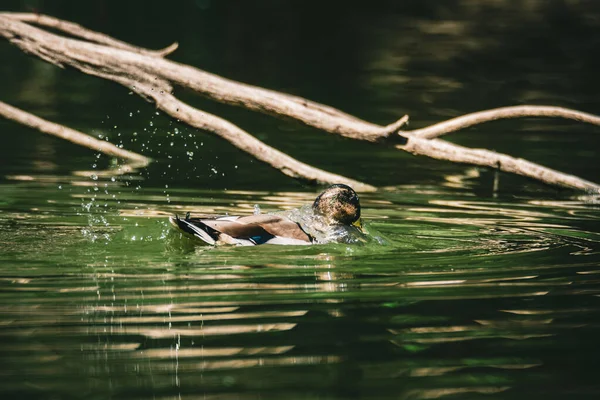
258,225
337,205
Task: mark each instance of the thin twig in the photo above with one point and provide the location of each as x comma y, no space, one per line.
79,31
73,136
465,121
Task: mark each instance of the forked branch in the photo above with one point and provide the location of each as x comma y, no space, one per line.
151,76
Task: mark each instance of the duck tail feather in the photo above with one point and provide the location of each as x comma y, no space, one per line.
198,229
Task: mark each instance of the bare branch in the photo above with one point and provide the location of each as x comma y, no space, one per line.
73,136
150,88
244,141
158,89
442,150
127,66
220,89
465,121
79,31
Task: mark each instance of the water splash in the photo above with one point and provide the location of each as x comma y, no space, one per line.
322,232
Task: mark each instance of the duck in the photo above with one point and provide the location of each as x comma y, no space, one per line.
335,210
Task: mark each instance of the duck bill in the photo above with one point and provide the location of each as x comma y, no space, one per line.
358,223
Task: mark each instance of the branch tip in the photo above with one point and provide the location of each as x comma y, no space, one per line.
167,50
395,126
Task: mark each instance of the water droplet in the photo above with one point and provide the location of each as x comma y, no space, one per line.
94,176
256,209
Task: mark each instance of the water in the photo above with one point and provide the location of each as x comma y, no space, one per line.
468,294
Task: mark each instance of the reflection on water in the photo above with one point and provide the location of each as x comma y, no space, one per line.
466,297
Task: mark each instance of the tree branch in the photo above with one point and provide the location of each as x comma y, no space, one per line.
244,141
126,65
152,87
215,87
79,31
465,121
73,136
442,150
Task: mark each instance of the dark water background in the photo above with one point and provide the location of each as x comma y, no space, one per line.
471,295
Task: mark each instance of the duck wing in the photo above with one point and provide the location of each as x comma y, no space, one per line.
276,226
247,230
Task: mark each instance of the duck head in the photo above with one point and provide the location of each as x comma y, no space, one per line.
339,204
